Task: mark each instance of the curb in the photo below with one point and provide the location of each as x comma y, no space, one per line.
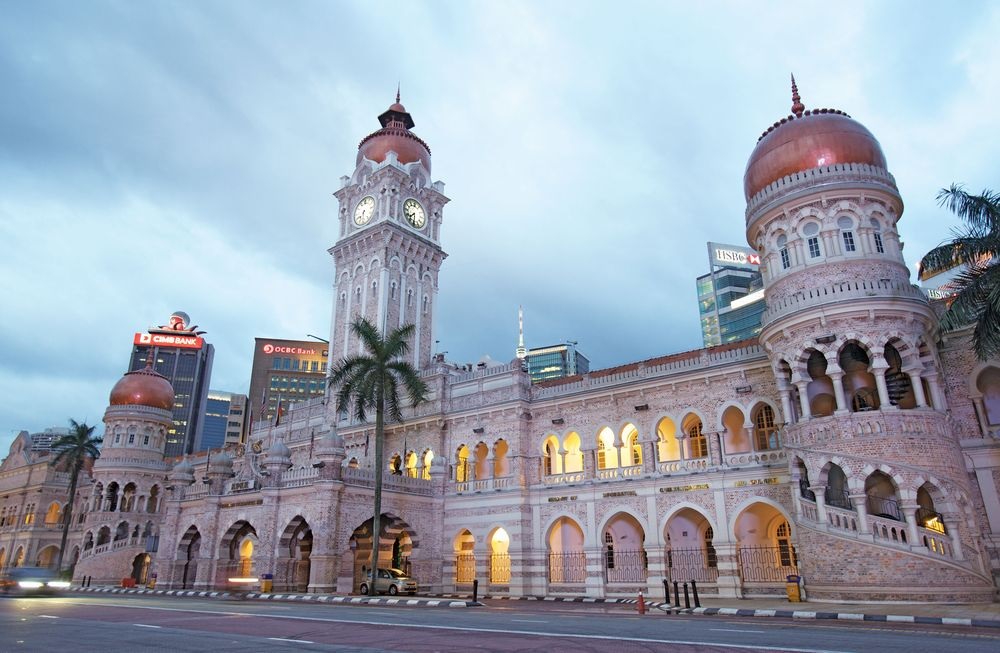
302,598
842,616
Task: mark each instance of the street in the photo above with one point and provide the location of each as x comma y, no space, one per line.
134,623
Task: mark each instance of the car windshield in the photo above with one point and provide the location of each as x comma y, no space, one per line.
31,573
397,573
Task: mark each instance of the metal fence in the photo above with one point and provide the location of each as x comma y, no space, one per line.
884,507
465,567
500,568
568,567
625,566
692,564
765,564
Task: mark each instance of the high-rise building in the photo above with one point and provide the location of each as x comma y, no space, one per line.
185,359
285,370
555,361
224,420
731,295
43,441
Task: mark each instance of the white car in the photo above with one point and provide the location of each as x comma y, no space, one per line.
393,581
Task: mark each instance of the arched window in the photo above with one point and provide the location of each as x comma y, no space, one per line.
783,540
811,232
609,551
765,433
697,444
462,466
783,252
846,226
711,557
877,236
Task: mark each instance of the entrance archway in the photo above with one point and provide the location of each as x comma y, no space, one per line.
397,542
188,550
567,560
294,549
690,552
500,557
140,568
765,550
624,557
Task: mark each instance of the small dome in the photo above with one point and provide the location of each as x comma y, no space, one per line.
183,470
395,136
144,387
221,461
279,450
807,140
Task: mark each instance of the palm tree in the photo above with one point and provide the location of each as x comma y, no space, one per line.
373,381
72,451
977,246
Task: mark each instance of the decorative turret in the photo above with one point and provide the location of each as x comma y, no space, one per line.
330,455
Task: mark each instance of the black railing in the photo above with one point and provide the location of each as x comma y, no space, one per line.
625,566
804,490
838,499
500,568
568,567
884,507
692,564
465,567
766,564
935,520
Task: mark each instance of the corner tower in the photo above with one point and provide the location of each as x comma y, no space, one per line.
880,477
388,252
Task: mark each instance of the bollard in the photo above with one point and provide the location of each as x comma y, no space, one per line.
475,590
677,595
666,591
694,590
641,605
687,599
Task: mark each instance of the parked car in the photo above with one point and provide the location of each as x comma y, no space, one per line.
393,581
32,581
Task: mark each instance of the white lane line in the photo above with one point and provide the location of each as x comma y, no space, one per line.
297,641
47,616
146,626
529,621
735,630
502,631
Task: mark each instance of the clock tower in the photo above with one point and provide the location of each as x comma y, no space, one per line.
388,251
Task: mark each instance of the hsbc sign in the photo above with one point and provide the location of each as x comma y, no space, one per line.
166,340
732,255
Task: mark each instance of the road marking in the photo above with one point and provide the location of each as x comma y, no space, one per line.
529,621
146,626
502,631
736,630
297,641
47,616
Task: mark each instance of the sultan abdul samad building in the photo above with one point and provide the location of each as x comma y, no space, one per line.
852,443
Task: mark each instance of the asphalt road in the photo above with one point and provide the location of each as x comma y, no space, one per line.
140,623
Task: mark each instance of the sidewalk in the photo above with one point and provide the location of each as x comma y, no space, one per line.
423,602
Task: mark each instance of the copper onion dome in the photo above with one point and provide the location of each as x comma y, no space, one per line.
396,136
144,387
807,140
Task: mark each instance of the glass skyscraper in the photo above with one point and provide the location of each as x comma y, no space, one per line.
731,295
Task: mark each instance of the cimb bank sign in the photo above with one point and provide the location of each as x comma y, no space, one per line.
733,256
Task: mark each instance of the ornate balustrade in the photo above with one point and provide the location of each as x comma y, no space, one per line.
392,482
917,422
837,293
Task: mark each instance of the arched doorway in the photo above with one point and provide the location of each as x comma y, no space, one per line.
396,545
765,551
500,557
47,557
294,548
140,568
238,546
624,557
567,560
465,557
690,552
188,551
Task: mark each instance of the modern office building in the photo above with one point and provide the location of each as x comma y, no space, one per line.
43,441
185,359
224,420
555,361
731,295
289,370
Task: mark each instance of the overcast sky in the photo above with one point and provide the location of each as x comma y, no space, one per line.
163,156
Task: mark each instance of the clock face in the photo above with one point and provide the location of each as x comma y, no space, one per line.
414,213
364,211
258,446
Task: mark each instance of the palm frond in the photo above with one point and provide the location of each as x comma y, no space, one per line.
981,211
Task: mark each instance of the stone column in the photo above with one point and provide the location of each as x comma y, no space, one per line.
910,515
937,395
322,573
714,444
918,386
860,502
649,456
728,583
980,409
595,572
951,522
804,399
786,403
838,392
820,492
878,368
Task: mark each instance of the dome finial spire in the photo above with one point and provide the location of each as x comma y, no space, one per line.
797,106
397,92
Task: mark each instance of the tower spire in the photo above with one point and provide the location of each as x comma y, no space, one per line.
397,92
521,351
797,106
